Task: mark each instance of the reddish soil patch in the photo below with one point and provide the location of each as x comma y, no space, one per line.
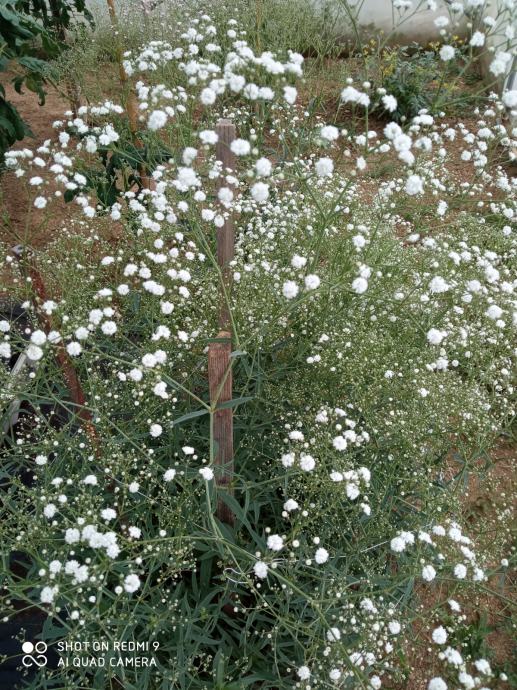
18,225
489,496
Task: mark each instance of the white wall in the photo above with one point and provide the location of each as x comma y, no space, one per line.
417,25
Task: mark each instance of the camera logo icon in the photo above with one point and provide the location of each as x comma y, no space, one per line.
34,654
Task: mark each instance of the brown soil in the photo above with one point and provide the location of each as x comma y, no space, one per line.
20,223
488,495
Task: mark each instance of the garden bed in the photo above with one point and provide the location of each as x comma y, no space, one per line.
285,460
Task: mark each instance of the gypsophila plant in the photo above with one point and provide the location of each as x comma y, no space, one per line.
373,318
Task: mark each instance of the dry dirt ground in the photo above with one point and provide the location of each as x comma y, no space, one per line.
17,225
490,509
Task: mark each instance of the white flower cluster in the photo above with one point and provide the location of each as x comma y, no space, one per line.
376,625
432,543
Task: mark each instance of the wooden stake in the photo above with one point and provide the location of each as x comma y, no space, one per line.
220,384
219,353
226,234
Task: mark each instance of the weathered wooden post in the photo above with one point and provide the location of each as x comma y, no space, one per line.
226,234
219,360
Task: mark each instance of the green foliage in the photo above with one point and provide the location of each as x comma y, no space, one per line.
55,15
18,35
411,79
31,33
